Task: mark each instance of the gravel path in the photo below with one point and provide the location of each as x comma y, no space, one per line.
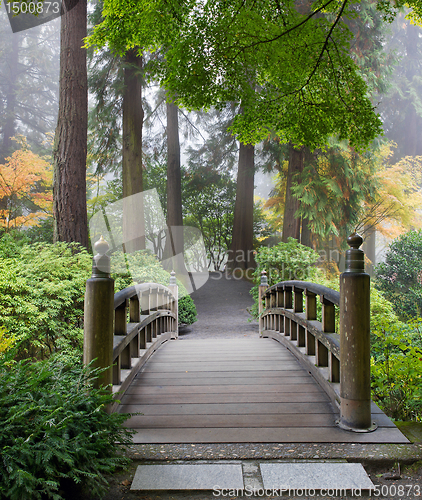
222,305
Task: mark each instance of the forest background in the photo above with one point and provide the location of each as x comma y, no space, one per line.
329,108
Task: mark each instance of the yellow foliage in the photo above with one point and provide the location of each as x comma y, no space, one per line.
25,188
399,196
5,341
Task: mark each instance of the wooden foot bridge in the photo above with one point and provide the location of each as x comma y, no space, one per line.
287,384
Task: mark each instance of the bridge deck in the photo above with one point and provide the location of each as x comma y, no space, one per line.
247,390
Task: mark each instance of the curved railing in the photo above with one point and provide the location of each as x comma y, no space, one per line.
291,320
145,316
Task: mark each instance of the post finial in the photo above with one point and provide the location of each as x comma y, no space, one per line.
264,279
101,246
101,261
355,240
173,278
355,258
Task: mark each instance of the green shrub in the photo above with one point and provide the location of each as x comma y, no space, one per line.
282,262
42,290
396,370
400,276
55,432
187,310
144,267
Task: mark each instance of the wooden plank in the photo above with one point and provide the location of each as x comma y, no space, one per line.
217,366
266,435
247,397
129,403
281,375
222,389
246,420
217,357
192,378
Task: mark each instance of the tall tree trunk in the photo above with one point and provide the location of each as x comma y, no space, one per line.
70,142
173,252
241,248
306,234
413,134
291,223
133,117
10,115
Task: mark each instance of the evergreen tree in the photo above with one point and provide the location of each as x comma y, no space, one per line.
70,143
29,66
401,105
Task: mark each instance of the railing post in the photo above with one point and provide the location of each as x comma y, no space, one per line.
175,291
263,285
98,315
355,368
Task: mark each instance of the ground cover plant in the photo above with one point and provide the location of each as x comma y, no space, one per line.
55,433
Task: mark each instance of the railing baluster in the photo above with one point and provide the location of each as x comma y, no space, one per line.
311,312
117,378
280,298
310,344
293,329
334,368
125,359
301,341
120,318
321,354
143,338
298,302
134,316
288,297
328,315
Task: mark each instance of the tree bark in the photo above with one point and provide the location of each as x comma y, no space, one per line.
306,234
133,116
10,115
70,142
291,223
241,248
173,251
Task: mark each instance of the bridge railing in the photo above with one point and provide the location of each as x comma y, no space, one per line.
290,316
122,330
145,316
338,360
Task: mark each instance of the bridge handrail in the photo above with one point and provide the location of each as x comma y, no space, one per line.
332,295
316,344
152,309
129,292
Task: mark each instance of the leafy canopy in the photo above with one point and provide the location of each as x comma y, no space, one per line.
289,65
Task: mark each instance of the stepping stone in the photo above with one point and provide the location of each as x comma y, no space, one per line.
187,477
315,476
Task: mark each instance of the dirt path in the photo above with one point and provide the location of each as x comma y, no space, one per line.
222,305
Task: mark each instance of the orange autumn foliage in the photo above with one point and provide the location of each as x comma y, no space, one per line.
26,195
